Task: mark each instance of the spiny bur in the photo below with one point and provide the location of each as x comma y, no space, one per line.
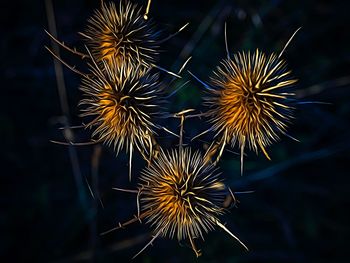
181,196
124,103
250,100
121,33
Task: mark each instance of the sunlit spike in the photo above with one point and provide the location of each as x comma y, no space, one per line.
232,235
148,244
202,82
201,134
147,9
288,42
226,45
174,34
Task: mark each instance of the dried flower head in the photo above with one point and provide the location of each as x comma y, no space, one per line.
250,100
124,102
182,196
122,34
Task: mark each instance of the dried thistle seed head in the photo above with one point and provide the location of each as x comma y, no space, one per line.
124,102
250,100
121,33
182,196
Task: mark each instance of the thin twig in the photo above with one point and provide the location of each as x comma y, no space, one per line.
62,44
72,68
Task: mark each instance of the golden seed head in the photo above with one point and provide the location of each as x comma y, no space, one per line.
123,102
181,194
122,34
250,99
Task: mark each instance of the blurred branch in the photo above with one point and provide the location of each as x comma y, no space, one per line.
303,158
67,132
318,88
95,162
119,246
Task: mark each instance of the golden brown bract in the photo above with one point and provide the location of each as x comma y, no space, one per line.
121,33
250,100
181,195
123,102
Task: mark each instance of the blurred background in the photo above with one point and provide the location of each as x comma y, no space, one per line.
299,210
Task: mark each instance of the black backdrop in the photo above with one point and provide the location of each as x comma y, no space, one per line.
299,210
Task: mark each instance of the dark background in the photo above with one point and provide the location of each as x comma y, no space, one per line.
299,210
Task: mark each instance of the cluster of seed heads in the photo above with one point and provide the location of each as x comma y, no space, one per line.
249,103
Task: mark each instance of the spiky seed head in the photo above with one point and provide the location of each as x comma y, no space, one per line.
123,102
181,194
122,34
250,99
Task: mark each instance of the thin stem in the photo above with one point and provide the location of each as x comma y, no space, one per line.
147,9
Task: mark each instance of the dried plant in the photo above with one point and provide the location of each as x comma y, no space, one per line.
122,33
124,101
181,196
250,100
